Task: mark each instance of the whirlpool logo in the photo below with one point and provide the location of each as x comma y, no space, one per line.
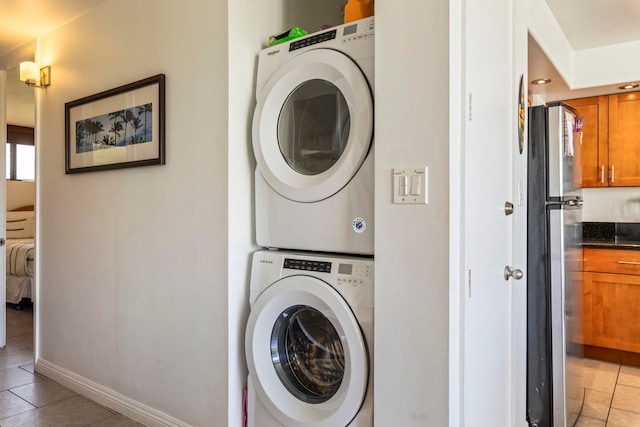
266,261
273,52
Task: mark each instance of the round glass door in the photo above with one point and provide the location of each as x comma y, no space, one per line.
313,128
313,125
307,354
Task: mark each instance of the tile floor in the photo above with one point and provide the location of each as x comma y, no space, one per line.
612,395
612,391
29,399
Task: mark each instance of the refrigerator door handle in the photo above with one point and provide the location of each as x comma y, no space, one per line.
569,203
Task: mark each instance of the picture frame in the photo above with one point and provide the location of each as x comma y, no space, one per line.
119,128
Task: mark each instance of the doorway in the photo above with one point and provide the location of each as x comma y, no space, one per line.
19,201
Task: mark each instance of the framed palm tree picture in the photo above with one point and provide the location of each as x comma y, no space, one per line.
118,128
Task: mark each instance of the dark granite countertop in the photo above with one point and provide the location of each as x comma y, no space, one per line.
610,245
611,235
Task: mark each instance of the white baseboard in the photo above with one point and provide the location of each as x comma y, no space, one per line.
104,396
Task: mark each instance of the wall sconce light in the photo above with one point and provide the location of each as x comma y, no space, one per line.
34,76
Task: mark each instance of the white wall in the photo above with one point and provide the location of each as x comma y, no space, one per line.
133,291
615,204
412,242
20,193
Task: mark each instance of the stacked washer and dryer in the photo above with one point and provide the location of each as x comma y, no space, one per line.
309,337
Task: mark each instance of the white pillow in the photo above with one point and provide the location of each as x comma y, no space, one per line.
20,225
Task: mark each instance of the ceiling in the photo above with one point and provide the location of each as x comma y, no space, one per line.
585,23
595,23
21,21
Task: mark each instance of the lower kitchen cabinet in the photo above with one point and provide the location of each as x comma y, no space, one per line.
611,299
612,311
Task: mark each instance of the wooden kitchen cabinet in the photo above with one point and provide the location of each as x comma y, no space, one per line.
610,140
611,299
594,146
624,139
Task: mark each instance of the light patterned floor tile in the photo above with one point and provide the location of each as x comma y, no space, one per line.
116,421
600,376
596,404
29,367
630,376
620,418
16,377
43,392
10,357
10,404
589,422
626,398
73,412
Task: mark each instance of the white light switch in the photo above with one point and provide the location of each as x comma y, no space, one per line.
404,185
416,185
410,185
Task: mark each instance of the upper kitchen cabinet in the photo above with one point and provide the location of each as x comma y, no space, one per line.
624,140
595,139
610,140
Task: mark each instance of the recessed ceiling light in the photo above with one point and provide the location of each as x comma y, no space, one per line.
629,86
541,81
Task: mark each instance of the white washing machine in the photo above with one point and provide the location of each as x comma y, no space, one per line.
313,142
308,341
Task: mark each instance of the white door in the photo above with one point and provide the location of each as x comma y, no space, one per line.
3,206
493,329
306,354
313,125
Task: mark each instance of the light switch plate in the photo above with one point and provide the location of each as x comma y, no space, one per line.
410,185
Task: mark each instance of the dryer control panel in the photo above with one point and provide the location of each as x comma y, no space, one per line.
357,30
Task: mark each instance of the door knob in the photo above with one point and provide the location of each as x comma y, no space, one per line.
516,273
508,208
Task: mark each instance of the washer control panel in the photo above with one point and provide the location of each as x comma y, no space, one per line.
308,265
350,273
354,274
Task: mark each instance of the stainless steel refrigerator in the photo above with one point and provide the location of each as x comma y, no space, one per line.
555,392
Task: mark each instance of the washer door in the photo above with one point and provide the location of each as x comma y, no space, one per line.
306,354
313,125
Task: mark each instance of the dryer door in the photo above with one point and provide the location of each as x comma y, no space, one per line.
306,354
313,125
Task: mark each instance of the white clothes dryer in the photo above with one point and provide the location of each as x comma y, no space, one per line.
313,142
308,341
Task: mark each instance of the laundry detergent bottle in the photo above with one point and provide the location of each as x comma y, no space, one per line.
357,9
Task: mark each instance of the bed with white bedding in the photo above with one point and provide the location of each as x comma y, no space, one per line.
20,251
